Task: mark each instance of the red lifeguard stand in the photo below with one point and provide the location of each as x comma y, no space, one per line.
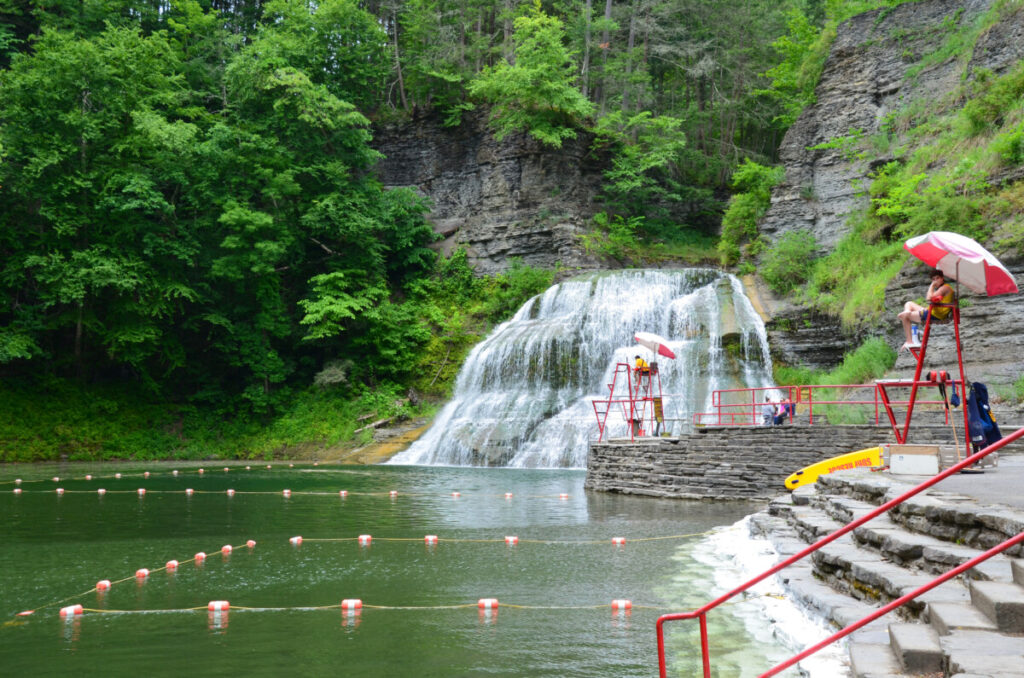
641,405
935,379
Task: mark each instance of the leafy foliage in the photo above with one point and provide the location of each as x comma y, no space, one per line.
534,92
754,183
787,264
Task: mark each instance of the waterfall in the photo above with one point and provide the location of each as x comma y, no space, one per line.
523,397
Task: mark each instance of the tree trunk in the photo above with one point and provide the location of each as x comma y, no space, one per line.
585,68
630,43
601,91
398,63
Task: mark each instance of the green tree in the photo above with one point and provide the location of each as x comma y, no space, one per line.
535,93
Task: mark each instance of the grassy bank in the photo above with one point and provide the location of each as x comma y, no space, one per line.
63,421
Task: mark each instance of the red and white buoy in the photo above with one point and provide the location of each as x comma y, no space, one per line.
393,493
456,495
199,557
226,469
17,490
251,543
487,603
202,471
351,604
511,540
226,549
145,474
618,541
295,541
269,466
365,539
508,495
56,479
103,585
88,476
71,611
101,491
231,493
563,496
117,475
287,493
189,491
142,491
174,472
430,539
141,573
218,606
171,565
248,468
60,491
17,481
621,604
342,493
291,465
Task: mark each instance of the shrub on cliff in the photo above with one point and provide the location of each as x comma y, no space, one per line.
739,225
788,262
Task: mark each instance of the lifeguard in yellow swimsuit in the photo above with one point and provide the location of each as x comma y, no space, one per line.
939,292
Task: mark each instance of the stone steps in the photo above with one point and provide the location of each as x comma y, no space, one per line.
969,627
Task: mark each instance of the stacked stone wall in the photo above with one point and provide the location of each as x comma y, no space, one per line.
734,463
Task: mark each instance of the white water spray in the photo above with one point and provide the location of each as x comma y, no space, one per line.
523,397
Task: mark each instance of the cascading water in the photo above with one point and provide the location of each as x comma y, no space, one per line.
523,397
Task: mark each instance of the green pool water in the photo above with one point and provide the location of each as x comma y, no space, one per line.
554,616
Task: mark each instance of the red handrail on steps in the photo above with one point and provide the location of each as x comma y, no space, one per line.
701,613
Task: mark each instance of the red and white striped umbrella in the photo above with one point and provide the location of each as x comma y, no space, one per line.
962,259
654,343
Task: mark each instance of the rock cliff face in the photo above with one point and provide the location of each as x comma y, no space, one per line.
499,200
873,70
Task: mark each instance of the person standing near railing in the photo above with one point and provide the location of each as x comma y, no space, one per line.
767,411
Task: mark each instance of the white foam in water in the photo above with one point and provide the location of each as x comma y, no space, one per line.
780,627
524,395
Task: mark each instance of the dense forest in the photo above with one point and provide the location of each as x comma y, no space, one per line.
192,237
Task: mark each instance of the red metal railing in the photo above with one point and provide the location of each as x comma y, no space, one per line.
701,613
747,412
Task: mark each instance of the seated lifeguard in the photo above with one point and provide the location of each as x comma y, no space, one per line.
939,292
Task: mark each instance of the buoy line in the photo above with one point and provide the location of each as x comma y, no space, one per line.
355,605
511,540
104,585
288,493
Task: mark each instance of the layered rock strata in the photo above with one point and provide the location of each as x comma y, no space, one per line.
499,200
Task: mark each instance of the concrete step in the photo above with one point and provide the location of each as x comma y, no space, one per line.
949,617
916,647
920,550
873,660
982,653
868,576
1001,602
1017,568
812,524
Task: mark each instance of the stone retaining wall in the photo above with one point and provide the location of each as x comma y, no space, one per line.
734,463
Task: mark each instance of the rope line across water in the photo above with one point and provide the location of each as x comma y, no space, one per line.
457,606
560,542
